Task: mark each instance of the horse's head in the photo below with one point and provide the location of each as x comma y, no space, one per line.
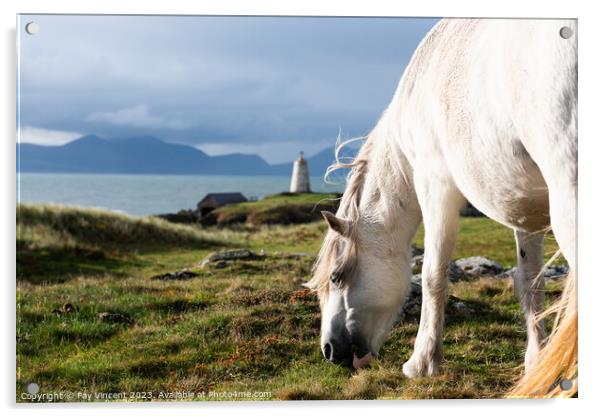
360,281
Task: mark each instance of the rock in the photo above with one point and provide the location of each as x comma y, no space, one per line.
416,264
220,264
231,255
454,272
416,251
470,211
416,285
508,273
551,273
417,280
554,272
461,307
175,276
477,266
67,308
412,308
297,255
114,318
413,302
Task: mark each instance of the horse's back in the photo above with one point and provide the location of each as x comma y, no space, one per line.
494,102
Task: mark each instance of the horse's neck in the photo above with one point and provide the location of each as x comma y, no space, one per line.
388,197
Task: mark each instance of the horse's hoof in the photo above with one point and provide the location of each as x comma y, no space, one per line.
416,369
410,370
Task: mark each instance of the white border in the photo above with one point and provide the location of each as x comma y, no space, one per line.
589,200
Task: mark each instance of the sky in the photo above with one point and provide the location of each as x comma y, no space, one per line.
271,86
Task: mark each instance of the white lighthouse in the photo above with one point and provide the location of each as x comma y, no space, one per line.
300,177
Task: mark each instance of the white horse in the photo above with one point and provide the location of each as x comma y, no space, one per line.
486,110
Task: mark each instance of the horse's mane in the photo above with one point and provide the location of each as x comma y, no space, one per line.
349,206
349,210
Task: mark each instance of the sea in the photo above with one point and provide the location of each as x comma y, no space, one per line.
141,195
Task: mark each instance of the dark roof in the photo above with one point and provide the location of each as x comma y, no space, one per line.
221,199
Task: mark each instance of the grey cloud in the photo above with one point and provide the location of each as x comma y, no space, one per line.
209,79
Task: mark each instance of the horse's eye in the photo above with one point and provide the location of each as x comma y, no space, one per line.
336,276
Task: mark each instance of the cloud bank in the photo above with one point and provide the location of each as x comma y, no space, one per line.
267,85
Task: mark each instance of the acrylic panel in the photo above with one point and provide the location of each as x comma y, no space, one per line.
252,208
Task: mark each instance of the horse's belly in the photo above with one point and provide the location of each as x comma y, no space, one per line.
523,213
508,188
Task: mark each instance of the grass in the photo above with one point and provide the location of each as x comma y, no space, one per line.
110,230
55,244
247,327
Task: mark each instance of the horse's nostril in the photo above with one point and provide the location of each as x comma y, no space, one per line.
336,352
328,351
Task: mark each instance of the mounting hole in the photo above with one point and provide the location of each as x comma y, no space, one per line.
33,388
566,32
566,384
32,28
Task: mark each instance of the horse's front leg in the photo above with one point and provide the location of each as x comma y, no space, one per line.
440,202
529,289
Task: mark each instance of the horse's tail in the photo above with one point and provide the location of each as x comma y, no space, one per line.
557,361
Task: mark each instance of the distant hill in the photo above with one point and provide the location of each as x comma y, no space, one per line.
149,155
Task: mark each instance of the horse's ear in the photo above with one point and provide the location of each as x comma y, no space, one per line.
342,227
310,285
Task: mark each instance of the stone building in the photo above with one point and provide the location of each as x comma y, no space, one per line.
214,200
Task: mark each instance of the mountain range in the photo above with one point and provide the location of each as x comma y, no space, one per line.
149,155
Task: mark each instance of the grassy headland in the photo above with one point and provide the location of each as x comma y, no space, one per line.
284,208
